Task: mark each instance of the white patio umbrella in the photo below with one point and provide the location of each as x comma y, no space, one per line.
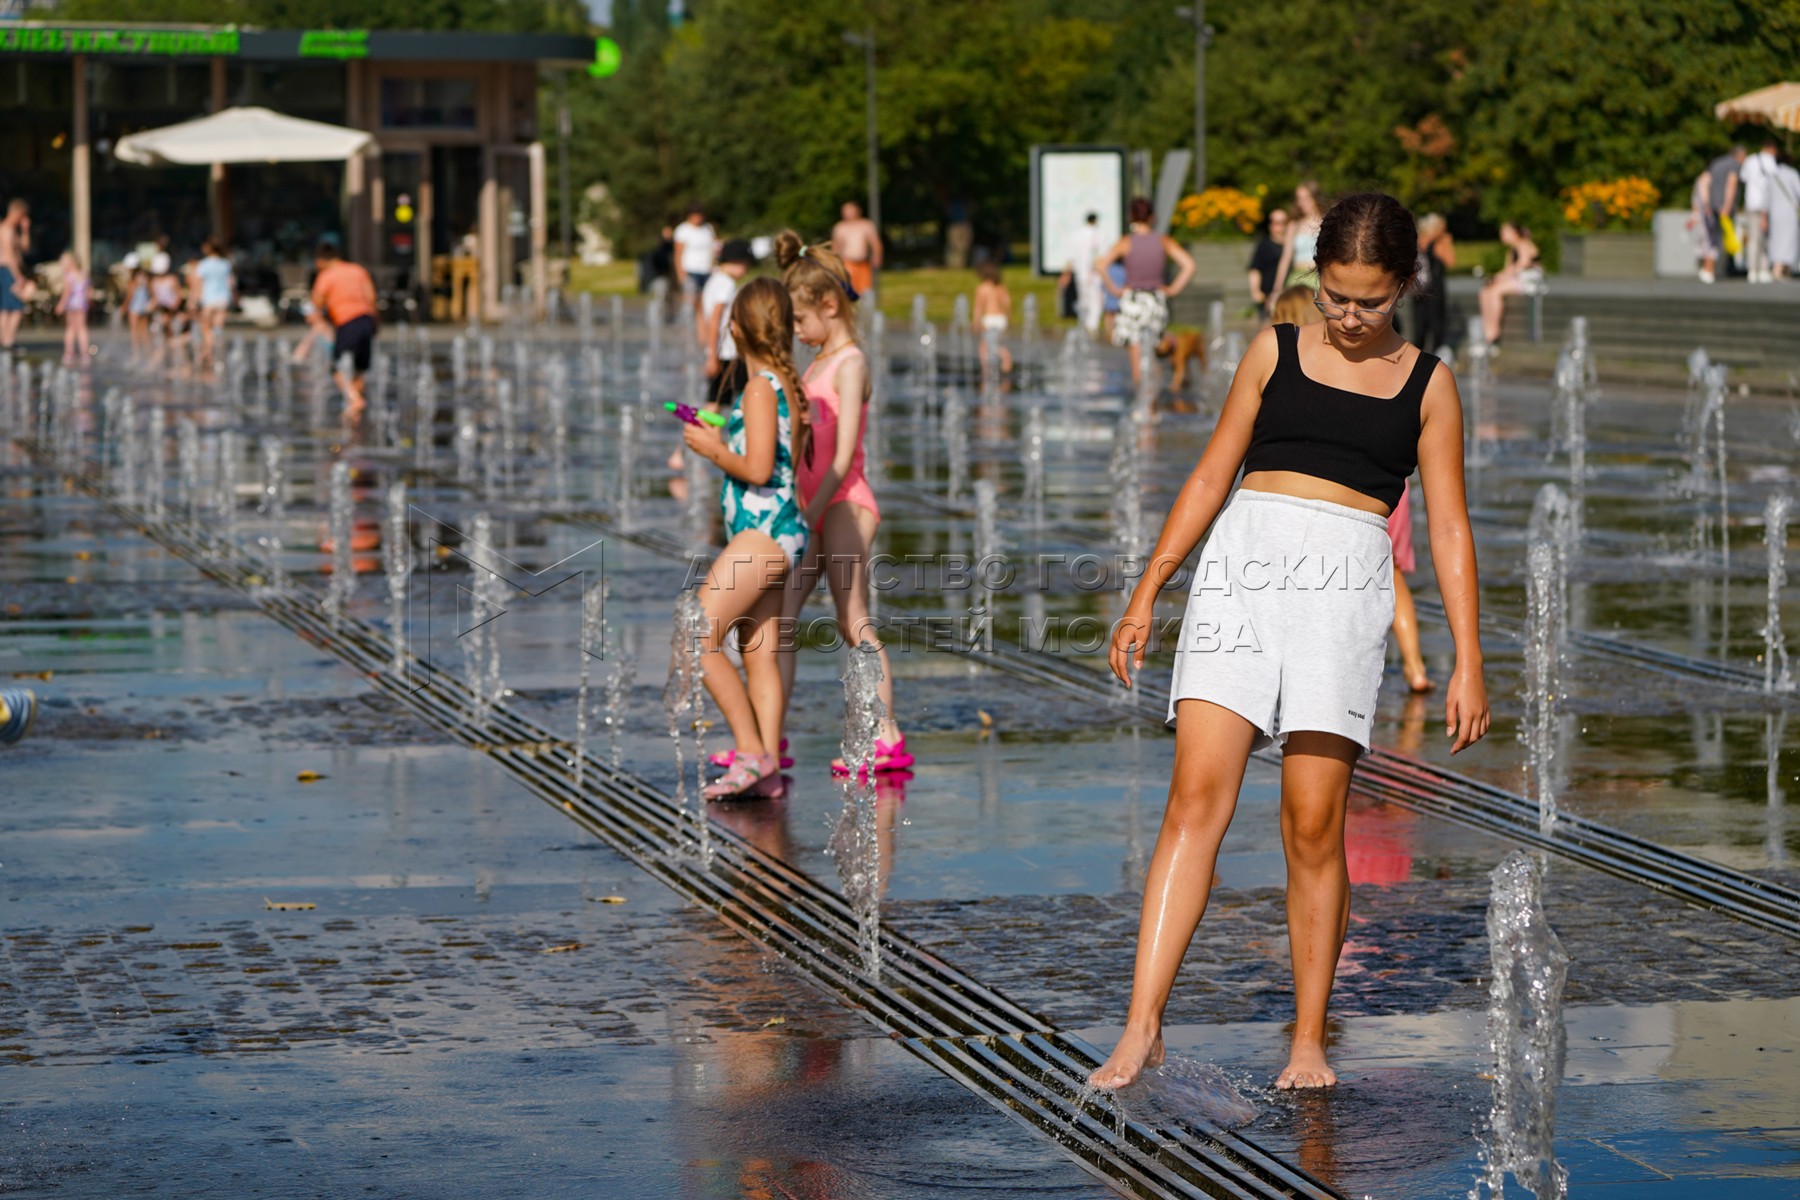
242,135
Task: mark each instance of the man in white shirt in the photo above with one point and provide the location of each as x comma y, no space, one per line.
1085,249
1759,175
695,245
723,366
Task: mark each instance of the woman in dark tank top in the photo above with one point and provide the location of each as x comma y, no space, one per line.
1144,299
1327,421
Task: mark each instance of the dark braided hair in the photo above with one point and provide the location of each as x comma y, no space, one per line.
1370,229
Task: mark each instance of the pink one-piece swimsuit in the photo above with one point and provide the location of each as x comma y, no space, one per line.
821,393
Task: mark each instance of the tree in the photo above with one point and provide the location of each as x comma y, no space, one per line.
1563,93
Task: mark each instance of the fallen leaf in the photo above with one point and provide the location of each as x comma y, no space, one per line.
43,675
774,1021
987,722
563,949
83,555
309,777
607,899
287,905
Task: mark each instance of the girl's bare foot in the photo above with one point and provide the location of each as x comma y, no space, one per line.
1416,678
1307,1068
1135,1054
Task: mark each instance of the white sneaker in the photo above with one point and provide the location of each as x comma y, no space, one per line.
1706,277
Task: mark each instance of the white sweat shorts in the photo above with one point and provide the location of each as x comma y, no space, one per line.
1287,618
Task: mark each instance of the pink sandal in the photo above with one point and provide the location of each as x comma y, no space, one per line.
751,775
889,756
723,758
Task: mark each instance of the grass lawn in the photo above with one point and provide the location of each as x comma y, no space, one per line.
938,285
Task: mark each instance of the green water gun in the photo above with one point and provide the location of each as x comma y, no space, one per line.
692,415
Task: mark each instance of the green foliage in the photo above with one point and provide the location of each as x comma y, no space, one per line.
1564,93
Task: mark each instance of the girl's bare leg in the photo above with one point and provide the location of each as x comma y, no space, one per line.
760,643
846,536
1212,746
1406,636
749,565
800,584
1315,790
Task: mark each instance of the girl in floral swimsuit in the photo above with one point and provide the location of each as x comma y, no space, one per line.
757,452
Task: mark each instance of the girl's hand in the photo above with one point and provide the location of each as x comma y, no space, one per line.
705,440
1131,636
1465,709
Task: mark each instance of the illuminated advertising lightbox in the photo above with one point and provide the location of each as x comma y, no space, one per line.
1068,183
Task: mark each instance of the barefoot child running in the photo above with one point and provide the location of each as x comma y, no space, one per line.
840,504
1284,634
757,451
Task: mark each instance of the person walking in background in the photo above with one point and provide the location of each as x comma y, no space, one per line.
1086,247
1437,254
72,306
1758,174
696,244
992,314
1510,280
15,284
137,310
1144,298
1296,264
218,291
1720,183
344,295
1784,221
1265,261
856,240
724,367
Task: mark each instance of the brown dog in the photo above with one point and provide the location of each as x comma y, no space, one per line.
1182,348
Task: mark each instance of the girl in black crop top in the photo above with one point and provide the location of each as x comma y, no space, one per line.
1331,419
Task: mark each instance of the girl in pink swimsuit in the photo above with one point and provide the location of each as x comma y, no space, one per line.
840,505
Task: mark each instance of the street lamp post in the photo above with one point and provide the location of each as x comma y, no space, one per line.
562,155
1196,12
867,42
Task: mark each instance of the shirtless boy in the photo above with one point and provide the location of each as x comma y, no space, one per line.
856,240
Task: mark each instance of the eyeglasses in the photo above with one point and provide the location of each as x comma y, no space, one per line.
1338,312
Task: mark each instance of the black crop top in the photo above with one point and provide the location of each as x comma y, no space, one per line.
1366,443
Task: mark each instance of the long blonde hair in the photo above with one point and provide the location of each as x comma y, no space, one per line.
815,274
765,323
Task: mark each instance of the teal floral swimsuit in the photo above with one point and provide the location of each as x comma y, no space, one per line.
773,507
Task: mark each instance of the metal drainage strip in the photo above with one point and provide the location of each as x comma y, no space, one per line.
1649,657
1002,1052
1432,790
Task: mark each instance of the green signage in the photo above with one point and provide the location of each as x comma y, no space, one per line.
172,43
606,58
334,43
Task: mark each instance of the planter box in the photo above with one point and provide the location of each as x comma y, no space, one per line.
1609,255
1222,263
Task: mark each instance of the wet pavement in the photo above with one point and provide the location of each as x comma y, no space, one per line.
465,1007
